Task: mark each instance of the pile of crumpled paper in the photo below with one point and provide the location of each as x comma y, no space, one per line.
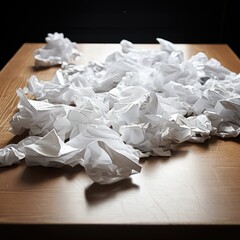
106,116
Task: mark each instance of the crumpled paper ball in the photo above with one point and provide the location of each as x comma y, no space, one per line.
58,50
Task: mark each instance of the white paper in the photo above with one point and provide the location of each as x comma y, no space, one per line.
58,50
51,151
107,158
98,149
137,103
14,153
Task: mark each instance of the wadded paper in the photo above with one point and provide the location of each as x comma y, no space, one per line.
106,116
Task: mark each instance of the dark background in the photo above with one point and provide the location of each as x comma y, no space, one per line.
111,21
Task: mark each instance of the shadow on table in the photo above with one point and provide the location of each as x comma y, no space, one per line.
36,174
97,193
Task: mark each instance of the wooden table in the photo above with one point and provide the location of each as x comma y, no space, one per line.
194,193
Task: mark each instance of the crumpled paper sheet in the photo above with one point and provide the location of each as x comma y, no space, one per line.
58,50
137,103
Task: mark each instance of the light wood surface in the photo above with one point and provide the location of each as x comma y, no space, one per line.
199,185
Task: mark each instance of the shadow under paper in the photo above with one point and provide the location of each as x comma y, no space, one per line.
97,193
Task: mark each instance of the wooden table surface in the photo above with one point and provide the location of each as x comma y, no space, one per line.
195,192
